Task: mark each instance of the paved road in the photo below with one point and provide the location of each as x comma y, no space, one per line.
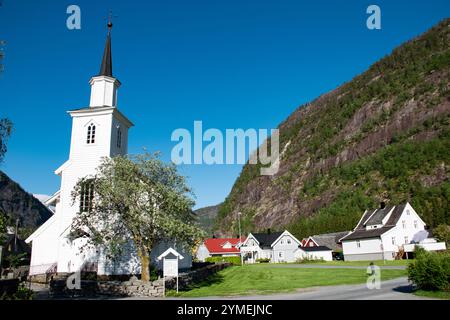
396,289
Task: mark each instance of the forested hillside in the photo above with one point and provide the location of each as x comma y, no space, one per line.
383,136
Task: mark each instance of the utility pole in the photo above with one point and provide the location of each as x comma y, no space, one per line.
15,234
240,238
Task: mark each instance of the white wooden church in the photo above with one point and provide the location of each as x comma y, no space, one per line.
99,130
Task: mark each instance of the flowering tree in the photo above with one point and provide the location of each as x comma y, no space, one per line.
137,198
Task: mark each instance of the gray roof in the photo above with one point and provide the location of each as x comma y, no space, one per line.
378,215
360,231
330,240
266,239
318,248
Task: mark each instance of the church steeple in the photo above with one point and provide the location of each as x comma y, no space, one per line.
106,67
104,86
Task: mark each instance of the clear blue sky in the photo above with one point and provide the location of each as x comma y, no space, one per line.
231,64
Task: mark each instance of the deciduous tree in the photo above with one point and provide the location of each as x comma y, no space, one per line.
139,199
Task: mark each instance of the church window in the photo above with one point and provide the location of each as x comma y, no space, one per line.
86,196
119,138
91,134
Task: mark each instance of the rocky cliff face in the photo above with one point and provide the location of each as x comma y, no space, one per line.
16,203
384,136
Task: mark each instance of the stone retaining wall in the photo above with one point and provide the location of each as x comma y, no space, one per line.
133,287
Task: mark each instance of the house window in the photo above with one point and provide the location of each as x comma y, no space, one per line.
90,134
393,241
406,240
289,241
119,138
407,212
404,224
311,244
358,244
280,254
415,224
86,196
282,241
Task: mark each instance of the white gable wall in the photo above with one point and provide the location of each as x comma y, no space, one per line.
202,253
412,225
284,248
383,247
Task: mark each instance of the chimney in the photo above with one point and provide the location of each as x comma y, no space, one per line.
382,205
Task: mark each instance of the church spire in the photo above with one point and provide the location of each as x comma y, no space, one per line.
104,86
106,67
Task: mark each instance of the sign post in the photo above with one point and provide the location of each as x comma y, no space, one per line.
170,259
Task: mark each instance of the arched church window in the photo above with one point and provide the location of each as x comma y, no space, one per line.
86,196
91,134
119,138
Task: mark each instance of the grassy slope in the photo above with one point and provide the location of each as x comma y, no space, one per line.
266,279
364,263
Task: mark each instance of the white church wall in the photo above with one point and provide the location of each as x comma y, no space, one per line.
47,239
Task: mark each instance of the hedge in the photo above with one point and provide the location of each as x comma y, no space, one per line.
235,260
430,270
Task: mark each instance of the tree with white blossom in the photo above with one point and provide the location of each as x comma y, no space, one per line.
138,198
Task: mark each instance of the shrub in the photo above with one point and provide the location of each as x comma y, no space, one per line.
308,259
263,260
442,233
430,270
234,260
22,293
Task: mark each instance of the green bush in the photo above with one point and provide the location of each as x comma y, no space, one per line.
430,270
235,260
307,259
263,260
22,293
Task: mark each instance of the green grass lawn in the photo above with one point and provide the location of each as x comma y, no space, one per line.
433,294
366,263
266,279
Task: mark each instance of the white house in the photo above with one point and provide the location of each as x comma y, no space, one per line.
276,246
314,253
99,130
386,233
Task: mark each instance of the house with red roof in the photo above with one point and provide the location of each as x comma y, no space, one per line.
219,247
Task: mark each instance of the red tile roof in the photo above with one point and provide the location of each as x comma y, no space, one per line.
215,245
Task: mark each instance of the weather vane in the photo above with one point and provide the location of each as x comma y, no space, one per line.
110,17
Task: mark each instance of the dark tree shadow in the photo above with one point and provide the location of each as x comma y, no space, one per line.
405,289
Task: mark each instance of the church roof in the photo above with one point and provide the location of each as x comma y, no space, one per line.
101,109
106,67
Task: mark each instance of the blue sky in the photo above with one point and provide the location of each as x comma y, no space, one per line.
232,64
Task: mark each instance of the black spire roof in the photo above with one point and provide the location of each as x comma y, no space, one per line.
106,67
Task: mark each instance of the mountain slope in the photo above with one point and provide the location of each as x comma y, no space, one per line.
384,136
16,203
206,217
